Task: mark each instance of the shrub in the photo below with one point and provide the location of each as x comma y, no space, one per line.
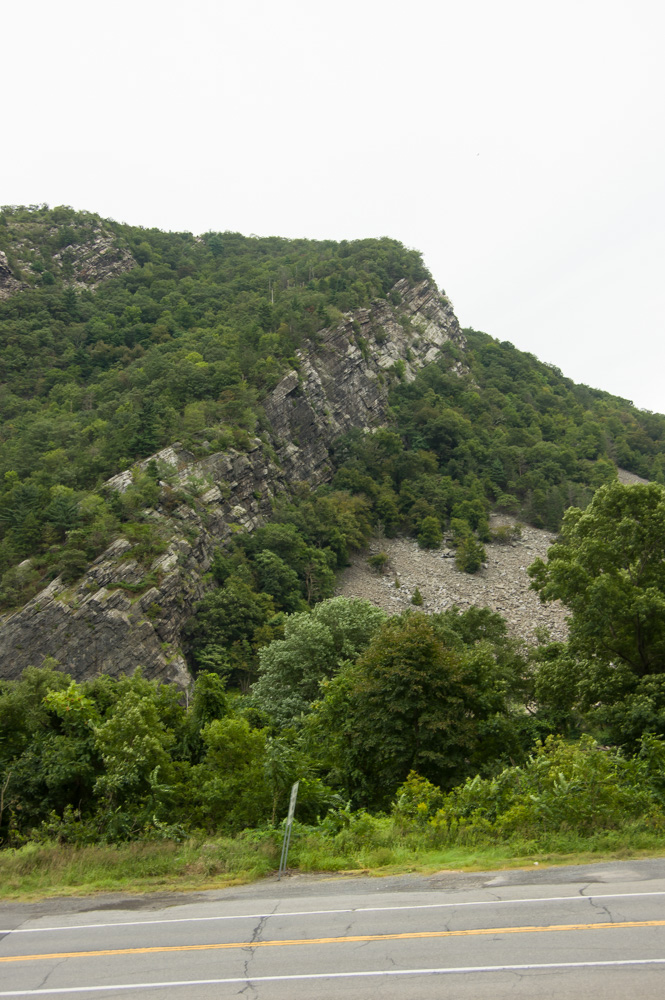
564,787
470,555
506,534
430,534
379,562
417,799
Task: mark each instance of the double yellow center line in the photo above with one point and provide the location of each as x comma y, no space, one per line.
350,939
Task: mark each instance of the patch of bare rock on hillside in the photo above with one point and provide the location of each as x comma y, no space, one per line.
629,478
502,585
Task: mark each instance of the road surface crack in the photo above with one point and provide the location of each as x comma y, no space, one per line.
257,935
48,975
602,907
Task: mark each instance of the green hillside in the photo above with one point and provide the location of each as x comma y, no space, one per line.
183,343
494,428
412,730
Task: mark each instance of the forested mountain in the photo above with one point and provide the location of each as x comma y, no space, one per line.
188,336
117,341
195,432
503,431
181,345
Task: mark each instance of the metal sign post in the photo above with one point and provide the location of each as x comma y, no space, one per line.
287,830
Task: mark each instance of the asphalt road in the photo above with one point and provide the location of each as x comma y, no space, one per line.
543,933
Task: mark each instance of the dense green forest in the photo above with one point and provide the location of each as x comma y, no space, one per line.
180,346
442,723
184,344
508,433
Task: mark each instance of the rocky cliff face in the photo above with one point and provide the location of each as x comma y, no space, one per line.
121,614
93,256
94,261
8,283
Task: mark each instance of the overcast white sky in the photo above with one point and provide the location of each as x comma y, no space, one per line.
520,145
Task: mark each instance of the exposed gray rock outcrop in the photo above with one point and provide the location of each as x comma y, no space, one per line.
120,614
8,283
95,256
95,261
343,382
502,584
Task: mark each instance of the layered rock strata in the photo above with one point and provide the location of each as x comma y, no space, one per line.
97,260
112,621
9,285
82,265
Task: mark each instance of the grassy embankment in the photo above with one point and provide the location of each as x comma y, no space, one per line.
375,848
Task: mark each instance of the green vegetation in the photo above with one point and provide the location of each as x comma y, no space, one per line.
379,562
182,346
441,726
376,845
285,566
112,760
414,737
567,804
506,433
608,569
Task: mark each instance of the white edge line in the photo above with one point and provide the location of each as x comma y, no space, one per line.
314,913
460,970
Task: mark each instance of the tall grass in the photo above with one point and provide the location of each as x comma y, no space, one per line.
569,801
368,844
49,869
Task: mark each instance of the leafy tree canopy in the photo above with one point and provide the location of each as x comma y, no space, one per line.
312,650
418,699
608,567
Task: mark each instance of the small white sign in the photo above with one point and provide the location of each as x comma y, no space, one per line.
292,803
287,829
